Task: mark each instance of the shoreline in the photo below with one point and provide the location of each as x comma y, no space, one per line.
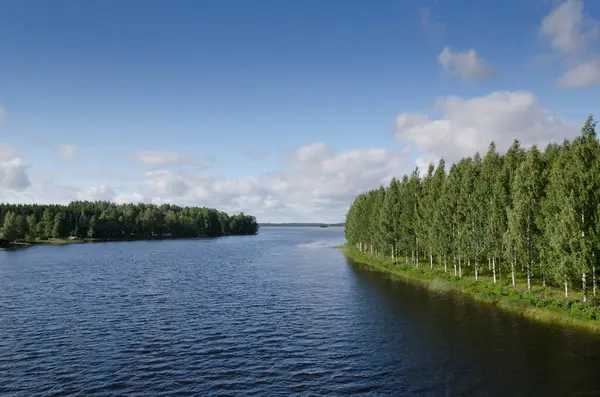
562,311
55,241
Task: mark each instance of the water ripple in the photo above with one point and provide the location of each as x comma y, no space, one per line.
278,314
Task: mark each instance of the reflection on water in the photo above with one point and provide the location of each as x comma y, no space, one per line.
280,313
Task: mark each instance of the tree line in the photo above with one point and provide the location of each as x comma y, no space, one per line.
105,221
528,213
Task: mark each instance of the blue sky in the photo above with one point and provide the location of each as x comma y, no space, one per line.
211,82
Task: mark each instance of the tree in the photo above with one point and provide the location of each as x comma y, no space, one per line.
60,229
526,193
10,229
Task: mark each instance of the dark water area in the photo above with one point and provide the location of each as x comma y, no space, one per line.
277,314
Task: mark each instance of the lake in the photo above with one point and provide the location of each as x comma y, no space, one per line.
281,313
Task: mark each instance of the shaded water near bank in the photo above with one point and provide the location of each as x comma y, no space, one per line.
279,313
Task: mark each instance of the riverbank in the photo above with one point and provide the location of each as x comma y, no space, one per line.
60,241
542,304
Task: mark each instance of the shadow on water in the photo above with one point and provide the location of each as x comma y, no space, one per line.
472,348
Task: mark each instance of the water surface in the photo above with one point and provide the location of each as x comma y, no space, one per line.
277,314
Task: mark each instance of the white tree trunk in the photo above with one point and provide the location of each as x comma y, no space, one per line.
417,255
594,280
512,271
529,277
566,289
445,265
454,263
431,259
583,281
494,268
476,270
459,268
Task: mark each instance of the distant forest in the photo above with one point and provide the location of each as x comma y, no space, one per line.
107,221
527,212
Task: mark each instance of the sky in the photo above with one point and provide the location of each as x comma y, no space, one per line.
285,110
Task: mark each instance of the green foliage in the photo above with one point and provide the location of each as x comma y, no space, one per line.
534,215
105,221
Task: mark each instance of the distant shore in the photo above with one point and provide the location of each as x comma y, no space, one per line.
60,241
542,305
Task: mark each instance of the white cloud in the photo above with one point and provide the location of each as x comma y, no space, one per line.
66,152
469,125
586,74
13,174
573,36
568,30
96,193
464,64
167,159
128,198
318,184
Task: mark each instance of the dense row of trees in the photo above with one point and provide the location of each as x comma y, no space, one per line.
523,212
104,220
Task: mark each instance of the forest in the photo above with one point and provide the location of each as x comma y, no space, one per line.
525,215
107,221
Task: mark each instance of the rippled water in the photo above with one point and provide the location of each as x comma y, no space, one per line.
277,314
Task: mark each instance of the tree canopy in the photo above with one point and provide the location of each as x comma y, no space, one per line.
526,211
108,221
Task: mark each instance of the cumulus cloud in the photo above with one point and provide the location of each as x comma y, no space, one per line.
66,152
167,159
469,125
13,175
586,74
317,185
467,64
573,37
96,193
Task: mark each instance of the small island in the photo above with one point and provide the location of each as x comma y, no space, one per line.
85,221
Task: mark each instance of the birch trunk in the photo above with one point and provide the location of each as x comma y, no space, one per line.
459,268
417,255
594,280
494,268
512,271
430,259
566,289
445,265
594,274
583,281
476,270
454,263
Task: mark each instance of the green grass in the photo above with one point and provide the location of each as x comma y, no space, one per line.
543,304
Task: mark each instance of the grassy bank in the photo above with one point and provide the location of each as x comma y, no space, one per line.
544,304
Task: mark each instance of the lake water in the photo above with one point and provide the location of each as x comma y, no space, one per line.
277,314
